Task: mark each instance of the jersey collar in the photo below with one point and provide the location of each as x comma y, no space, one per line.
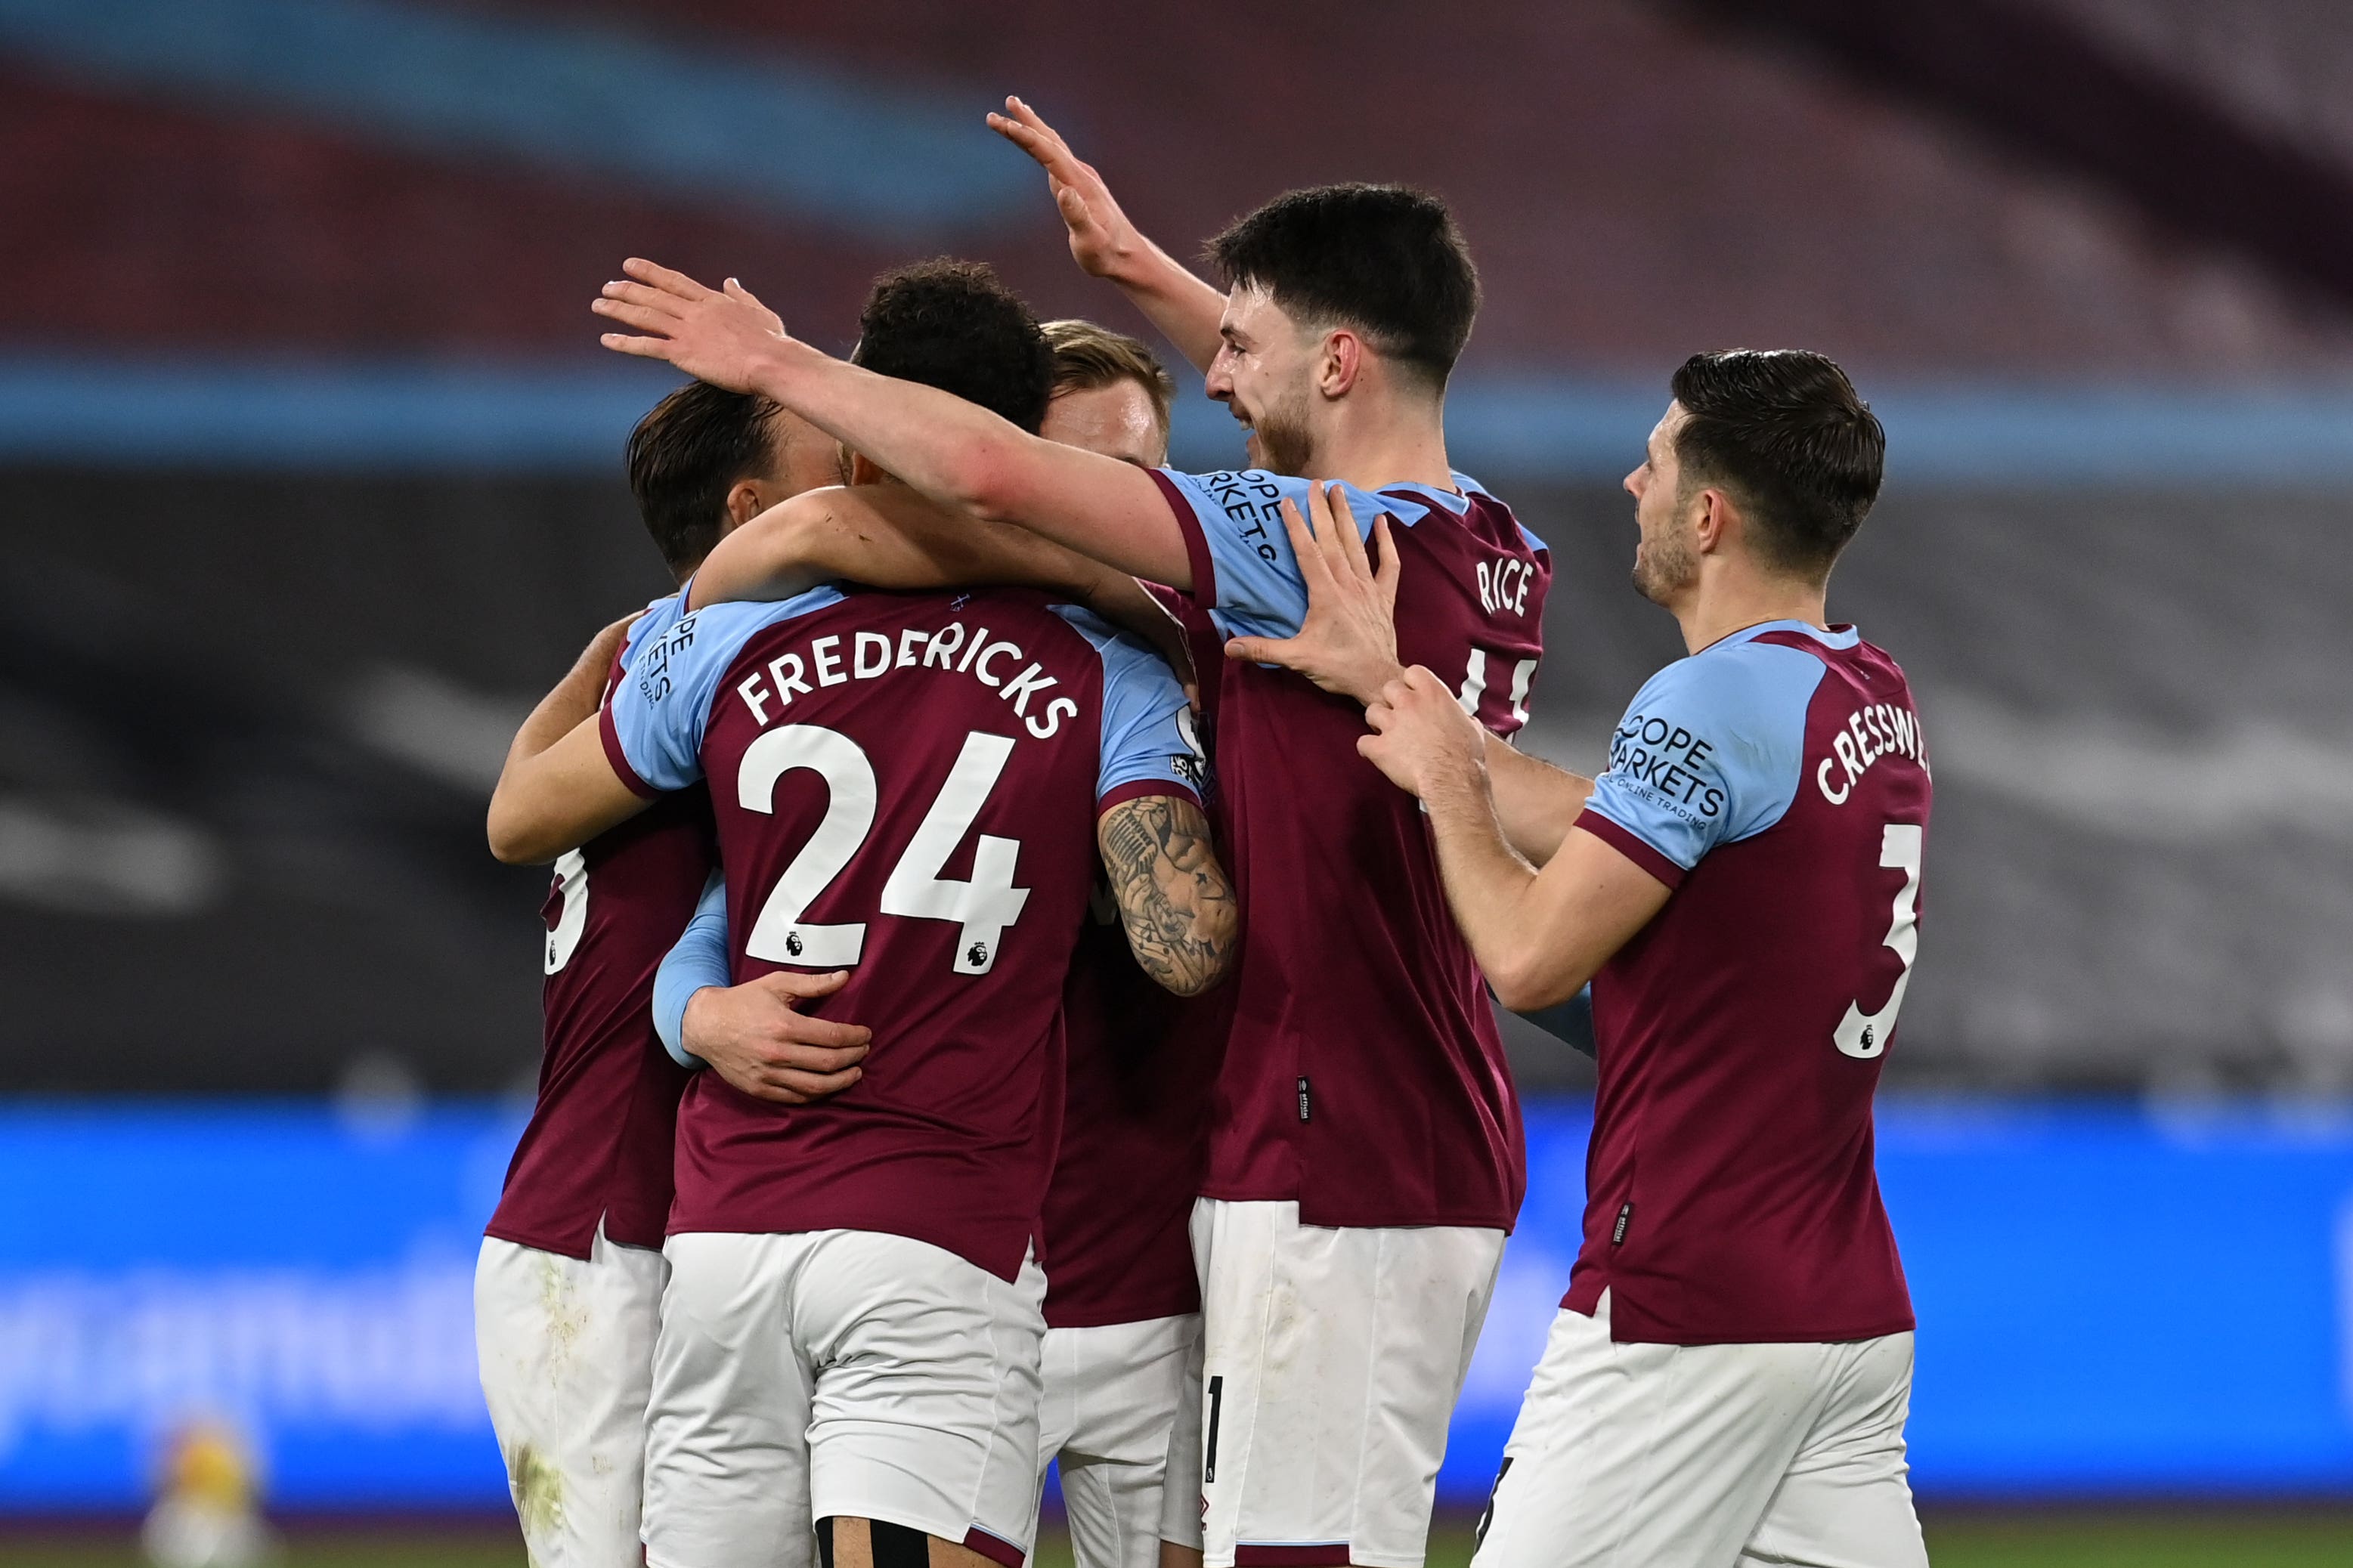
1836,637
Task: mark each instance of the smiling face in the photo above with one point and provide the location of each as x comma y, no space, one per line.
1666,557
1264,372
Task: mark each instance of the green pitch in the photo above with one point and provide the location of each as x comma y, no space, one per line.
2234,1540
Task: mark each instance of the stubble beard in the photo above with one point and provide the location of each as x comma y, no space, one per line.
1663,567
1284,442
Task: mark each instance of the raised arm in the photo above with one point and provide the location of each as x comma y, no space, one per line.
1540,935
1173,896
1105,245
957,455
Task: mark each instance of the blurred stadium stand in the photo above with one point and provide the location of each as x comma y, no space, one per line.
310,470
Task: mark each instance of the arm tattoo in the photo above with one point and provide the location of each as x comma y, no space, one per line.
1173,896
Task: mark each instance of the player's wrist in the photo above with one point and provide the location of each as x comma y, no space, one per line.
1457,785
1365,686
782,366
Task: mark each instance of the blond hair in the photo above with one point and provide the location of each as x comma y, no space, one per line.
1087,356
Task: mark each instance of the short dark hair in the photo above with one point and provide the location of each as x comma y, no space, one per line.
1785,431
953,325
1385,259
685,456
1087,356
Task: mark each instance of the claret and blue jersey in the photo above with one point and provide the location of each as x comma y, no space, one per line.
1352,977
1777,781
905,786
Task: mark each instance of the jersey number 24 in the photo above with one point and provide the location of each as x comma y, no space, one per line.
982,907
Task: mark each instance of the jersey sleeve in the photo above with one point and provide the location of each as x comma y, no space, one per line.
1148,746
1708,755
653,722
1244,572
699,958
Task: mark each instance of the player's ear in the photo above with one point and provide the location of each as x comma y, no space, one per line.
745,501
1340,362
1716,522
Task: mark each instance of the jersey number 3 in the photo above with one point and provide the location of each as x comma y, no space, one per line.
983,907
1861,1034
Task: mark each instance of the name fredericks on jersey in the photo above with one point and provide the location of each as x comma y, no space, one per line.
767,693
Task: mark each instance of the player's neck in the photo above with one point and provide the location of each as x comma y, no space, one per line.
1399,441
1720,606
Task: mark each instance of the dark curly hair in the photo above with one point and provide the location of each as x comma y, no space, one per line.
954,325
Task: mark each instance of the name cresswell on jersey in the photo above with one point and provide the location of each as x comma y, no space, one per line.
1664,759
1872,732
954,650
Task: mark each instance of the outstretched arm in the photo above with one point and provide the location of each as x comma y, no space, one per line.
959,455
1347,644
1105,245
1540,935
1173,896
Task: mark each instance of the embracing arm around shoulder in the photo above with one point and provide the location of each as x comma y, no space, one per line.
887,536
957,453
884,536
1540,935
1173,899
559,798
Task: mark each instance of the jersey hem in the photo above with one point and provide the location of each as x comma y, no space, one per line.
1106,1317
1402,1218
541,1241
1651,1332
1632,845
618,758
986,1257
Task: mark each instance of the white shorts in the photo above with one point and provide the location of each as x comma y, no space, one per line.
1331,1359
566,1347
838,1374
1706,1456
1113,1399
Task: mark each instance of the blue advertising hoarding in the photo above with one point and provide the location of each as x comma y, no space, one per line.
2113,1300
